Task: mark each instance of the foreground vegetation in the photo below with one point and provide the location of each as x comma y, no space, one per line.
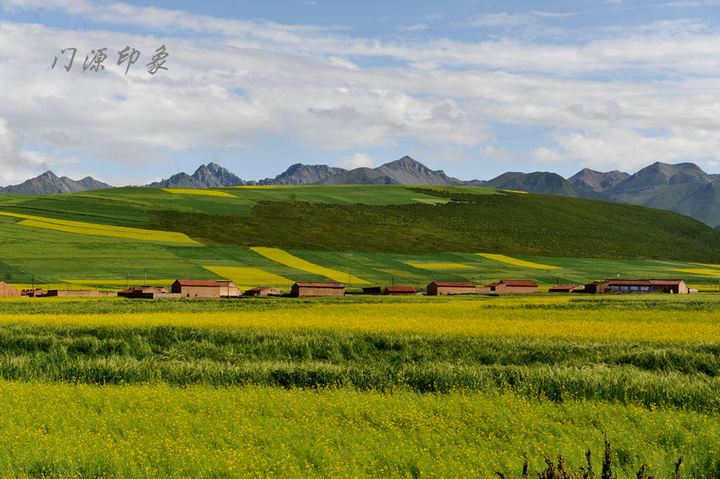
358,387
641,350
153,430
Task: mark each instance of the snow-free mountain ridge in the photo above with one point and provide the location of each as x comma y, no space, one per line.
684,188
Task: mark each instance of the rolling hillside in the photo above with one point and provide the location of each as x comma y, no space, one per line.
376,234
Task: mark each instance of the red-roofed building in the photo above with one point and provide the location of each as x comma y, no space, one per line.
442,288
515,286
308,290
671,286
400,290
193,288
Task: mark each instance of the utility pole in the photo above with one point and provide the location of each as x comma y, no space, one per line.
145,280
128,280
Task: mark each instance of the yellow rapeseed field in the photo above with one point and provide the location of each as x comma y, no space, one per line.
188,191
249,277
704,272
505,317
92,229
287,259
516,262
157,431
709,265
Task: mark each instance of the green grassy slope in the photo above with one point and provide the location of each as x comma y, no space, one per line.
543,225
371,232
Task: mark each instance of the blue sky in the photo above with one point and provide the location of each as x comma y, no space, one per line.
472,88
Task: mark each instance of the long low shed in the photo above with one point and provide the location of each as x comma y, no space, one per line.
442,288
308,290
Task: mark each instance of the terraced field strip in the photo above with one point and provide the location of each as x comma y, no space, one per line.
703,272
250,277
287,259
516,262
708,265
188,191
91,229
438,265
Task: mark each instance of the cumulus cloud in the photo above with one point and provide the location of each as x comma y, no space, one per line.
358,160
304,84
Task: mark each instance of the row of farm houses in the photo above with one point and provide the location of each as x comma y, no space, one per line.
202,289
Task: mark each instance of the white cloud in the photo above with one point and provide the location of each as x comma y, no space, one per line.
358,160
305,84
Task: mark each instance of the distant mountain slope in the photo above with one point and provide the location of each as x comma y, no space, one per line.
683,188
206,176
541,182
596,181
300,174
358,176
660,176
49,184
407,171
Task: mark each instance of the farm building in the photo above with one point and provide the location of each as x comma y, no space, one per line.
79,292
228,289
441,288
263,292
515,286
307,290
33,293
597,287
7,291
672,286
400,290
566,288
191,288
148,292
377,290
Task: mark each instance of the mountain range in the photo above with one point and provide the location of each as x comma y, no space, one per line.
683,188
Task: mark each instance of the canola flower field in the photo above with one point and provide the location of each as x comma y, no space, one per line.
357,387
67,430
92,229
517,262
285,258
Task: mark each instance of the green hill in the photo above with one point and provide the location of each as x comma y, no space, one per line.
372,232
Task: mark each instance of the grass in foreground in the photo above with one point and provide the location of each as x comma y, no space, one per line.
632,350
62,430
